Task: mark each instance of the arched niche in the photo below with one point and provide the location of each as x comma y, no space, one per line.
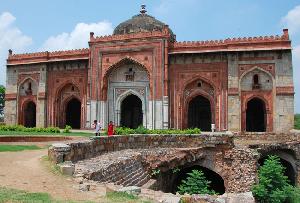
199,105
123,79
256,79
28,87
66,94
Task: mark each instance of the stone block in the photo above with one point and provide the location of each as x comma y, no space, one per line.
67,168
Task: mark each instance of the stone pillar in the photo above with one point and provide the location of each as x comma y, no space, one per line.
41,107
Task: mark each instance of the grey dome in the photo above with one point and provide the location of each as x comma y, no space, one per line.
141,23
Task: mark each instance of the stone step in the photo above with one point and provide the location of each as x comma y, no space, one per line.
134,178
128,176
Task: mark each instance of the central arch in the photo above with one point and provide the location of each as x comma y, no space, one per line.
131,112
256,115
199,113
30,115
73,113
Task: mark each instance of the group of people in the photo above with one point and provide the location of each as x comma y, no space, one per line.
110,128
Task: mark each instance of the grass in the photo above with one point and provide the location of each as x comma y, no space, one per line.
19,133
297,121
124,198
14,195
15,148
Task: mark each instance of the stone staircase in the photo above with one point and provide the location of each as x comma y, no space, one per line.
124,167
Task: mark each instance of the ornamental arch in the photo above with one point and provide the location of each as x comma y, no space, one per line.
68,106
27,95
199,105
257,96
128,80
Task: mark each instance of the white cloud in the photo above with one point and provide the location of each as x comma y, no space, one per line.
292,20
78,38
11,37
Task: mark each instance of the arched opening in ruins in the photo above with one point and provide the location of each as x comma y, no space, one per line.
30,115
199,113
170,180
256,115
73,113
131,112
287,161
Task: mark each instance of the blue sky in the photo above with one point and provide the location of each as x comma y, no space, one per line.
31,25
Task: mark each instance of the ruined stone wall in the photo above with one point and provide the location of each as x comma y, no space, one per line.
75,151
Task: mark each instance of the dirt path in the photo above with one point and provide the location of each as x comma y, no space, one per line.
27,171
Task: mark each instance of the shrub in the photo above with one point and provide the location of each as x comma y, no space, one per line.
141,130
20,128
67,129
195,183
273,185
297,121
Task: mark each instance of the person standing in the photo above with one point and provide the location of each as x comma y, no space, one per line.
97,127
110,129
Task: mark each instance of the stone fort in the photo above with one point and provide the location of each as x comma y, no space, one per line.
140,75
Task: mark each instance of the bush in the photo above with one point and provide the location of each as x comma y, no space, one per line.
67,129
297,121
273,185
20,128
195,183
143,130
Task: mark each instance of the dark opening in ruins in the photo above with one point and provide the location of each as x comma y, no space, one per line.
256,116
169,181
131,112
288,171
30,115
199,113
73,113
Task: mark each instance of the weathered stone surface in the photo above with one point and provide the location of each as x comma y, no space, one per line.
84,187
131,190
67,168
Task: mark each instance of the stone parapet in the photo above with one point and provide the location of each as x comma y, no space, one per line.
100,145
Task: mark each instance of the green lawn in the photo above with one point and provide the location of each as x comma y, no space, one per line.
124,198
19,133
15,148
297,121
13,195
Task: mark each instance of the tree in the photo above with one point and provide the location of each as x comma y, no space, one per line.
2,101
273,185
195,183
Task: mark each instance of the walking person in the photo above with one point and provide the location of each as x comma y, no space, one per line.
97,128
110,129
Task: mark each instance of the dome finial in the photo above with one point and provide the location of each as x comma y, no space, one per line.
143,9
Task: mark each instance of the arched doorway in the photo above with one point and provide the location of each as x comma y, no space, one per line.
256,116
131,112
73,113
30,115
199,113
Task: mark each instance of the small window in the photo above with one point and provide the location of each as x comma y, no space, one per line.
29,86
130,70
255,84
73,88
255,79
199,84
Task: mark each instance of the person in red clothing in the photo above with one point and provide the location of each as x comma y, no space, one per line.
110,129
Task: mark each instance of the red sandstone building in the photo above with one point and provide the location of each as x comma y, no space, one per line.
141,75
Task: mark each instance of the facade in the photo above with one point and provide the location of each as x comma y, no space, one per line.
141,75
